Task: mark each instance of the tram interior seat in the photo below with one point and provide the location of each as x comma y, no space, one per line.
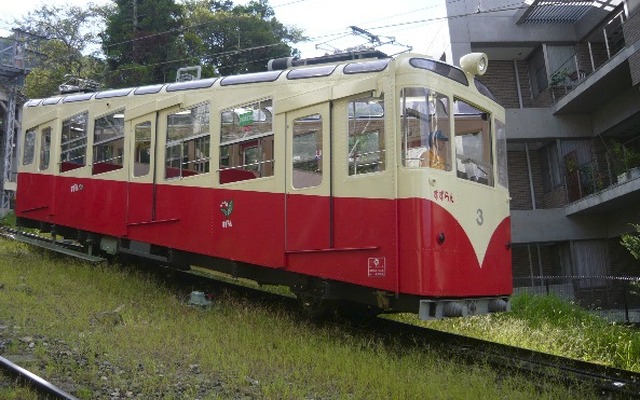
236,175
99,168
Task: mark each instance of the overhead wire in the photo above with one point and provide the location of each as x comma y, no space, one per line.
509,7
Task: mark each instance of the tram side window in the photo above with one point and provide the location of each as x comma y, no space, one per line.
142,156
474,158
73,147
108,143
188,138
45,148
501,145
366,135
246,142
425,129
307,151
29,147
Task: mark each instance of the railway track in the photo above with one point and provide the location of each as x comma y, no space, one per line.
611,383
44,388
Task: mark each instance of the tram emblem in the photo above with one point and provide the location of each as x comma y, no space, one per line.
377,266
226,207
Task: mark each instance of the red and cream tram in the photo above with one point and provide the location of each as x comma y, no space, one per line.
380,181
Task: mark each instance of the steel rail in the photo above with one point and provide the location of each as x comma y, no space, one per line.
617,382
34,380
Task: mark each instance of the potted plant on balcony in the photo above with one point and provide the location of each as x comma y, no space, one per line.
559,77
620,161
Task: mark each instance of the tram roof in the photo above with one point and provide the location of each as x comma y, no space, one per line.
294,72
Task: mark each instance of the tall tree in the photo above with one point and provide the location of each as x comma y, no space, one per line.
68,36
228,39
142,42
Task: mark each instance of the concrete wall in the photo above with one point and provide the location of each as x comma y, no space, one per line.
549,225
539,123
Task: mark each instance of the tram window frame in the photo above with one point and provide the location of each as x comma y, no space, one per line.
244,127
306,160
108,143
425,125
28,155
366,141
142,145
73,143
474,155
45,148
187,150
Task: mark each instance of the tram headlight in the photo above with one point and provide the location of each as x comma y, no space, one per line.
475,63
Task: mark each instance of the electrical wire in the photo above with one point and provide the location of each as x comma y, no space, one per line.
509,7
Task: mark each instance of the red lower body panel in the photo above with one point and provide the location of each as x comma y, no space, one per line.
379,243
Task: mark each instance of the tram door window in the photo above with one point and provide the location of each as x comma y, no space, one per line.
108,143
142,155
246,142
45,148
366,135
73,146
29,147
474,158
188,138
425,129
307,151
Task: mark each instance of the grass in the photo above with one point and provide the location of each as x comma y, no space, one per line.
552,325
112,332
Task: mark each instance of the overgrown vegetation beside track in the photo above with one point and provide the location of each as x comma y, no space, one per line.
552,325
109,332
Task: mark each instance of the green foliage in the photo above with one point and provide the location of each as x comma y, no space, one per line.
9,219
236,39
553,325
632,242
159,347
70,31
142,33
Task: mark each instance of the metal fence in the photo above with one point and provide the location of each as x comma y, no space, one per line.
615,298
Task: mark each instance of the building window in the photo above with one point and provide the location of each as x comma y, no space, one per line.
550,166
474,158
366,135
307,151
73,146
29,147
425,129
108,143
45,148
188,139
142,156
538,72
246,142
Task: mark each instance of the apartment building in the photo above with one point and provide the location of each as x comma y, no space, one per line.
568,73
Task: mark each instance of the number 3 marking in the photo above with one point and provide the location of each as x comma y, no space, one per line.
480,218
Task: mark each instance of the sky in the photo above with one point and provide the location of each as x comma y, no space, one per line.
412,23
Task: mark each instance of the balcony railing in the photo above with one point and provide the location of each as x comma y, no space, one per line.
588,58
621,164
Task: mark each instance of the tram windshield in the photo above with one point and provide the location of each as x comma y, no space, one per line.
425,129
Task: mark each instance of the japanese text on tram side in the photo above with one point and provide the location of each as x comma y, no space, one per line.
76,187
443,195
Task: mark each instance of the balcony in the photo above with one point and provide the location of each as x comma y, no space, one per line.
598,70
595,189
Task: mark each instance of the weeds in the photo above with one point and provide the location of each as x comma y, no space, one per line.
115,333
550,324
